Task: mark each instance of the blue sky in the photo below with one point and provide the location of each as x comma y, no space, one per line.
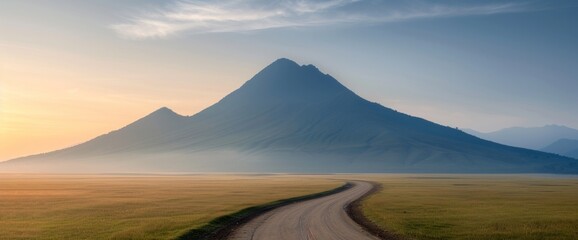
484,65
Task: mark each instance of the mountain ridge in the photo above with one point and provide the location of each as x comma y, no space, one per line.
292,117
534,138
565,147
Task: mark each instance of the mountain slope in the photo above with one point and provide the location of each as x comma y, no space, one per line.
134,136
532,138
565,147
294,118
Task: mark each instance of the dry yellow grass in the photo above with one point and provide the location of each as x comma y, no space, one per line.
476,206
134,207
166,206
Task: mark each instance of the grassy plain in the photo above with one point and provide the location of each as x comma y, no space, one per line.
166,206
134,207
476,206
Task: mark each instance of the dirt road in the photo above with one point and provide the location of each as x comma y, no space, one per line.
321,218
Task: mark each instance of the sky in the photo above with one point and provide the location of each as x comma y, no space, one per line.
72,70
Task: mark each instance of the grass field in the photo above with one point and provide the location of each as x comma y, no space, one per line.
166,206
476,206
134,207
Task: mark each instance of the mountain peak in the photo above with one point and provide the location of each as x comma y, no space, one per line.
160,115
285,65
284,62
163,111
286,81
163,119
281,66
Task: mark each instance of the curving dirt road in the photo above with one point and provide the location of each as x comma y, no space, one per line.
321,218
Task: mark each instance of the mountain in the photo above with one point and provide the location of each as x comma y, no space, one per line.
532,138
291,118
565,147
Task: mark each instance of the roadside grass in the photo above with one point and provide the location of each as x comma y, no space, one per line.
137,206
476,206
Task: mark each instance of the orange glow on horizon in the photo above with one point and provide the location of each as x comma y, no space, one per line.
51,100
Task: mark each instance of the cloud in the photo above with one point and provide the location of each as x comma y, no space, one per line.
246,15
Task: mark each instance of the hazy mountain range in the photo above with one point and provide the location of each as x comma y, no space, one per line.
550,138
565,147
291,118
528,137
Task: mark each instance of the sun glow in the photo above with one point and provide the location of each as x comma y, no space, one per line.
51,100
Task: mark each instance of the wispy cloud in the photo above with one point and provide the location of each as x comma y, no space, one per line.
246,15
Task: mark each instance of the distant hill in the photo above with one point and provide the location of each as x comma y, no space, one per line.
291,118
565,147
532,138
